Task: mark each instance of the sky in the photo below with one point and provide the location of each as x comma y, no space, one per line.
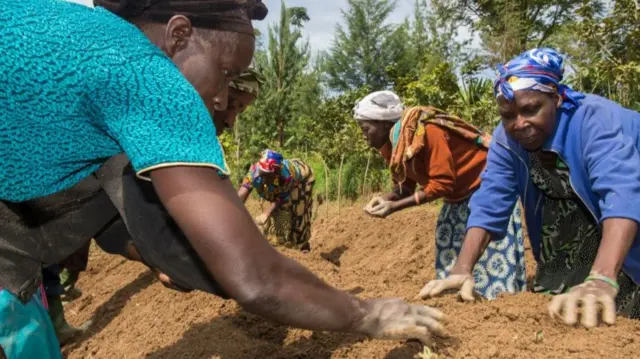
324,14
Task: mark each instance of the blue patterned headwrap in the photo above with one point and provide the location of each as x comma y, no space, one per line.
537,69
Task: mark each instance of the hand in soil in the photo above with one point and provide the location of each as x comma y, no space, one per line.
590,297
394,319
261,219
463,282
378,207
372,204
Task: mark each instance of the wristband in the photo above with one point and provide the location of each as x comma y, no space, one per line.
603,278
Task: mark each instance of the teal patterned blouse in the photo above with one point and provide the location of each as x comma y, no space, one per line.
80,85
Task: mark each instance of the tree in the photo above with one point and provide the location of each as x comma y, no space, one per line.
419,35
603,50
430,40
475,103
435,84
362,49
286,59
283,63
298,16
509,27
427,64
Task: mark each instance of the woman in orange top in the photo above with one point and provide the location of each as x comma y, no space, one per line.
433,155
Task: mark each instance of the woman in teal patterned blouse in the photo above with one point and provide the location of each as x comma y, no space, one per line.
142,78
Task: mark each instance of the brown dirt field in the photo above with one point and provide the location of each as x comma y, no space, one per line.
134,316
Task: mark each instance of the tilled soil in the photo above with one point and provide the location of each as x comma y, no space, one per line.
134,316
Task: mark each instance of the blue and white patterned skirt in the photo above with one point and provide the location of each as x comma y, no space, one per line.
500,269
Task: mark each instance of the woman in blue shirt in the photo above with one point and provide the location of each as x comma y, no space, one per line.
574,160
142,78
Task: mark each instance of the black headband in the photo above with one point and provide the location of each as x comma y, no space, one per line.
225,15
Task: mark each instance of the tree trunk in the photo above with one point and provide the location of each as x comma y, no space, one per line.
281,133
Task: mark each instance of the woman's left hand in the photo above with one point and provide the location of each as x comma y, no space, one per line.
590,296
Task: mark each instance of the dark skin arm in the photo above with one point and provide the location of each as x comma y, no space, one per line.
475,243
250,270
409,201
244,193
272,207
399,192
461,276
618,235
597,295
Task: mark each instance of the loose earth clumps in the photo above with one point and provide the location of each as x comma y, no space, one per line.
134,316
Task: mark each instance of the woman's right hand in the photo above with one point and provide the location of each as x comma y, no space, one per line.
373,203
394,319
462,282
379,207
262,219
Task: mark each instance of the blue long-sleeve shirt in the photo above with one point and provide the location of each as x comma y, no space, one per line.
70,99
599,140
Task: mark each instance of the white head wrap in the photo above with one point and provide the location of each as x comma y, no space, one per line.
379,106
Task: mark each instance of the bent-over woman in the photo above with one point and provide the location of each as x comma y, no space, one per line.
574,159
288,186
434,155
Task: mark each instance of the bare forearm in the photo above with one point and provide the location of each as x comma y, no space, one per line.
618,235
296,297
475,242
398,193
282,290
243,193
416,199
391,196
249,269
272,207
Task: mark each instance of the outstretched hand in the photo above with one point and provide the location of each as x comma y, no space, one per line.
394,319
372,203
379,207
590,296
463,282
